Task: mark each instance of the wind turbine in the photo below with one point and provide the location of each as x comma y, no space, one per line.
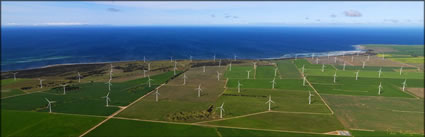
204,68
219,63
379,72
64,87
328,55
110,74
312,56
107,99
221,110
352,58
144,59
199,90
184,79
317,60
335,77
343,54
275,72
149,81
156,95
144,73
368,57
149,66
234,57
255,65
175,67
335,59
379,88
270,102
364,64
248,73
230,66
79,77
343,68
14,75
401,69
218,75
357,74
304,81
296,56
302,70
171,58
41,82
190,57
239,86
273,82
109,84
214,57
404,84
323,67
50,104
309,97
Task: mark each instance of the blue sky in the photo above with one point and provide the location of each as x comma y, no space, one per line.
213,13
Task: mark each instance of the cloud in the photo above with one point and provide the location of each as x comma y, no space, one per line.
306,18
212,16
113,10
333,15
352,13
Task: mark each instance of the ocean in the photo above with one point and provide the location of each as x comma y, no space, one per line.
33,47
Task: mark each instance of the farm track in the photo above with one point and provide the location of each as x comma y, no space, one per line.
26,93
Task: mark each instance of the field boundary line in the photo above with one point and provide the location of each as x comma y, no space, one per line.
330,94
79,115
407,92
393,110
241,116
119,111
362,129
317,92
312,113
32,125
25,93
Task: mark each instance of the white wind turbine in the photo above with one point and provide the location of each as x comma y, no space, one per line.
230,66
175,67
239,86
335,77
275,72
352,58
304,81
144,73
364,64
149,66
273,82
255,65
343,54
404,84
171,58
184,79
401,69
335,59
214,57
204,68
270,101
296,56
79,77
218,75
14,75
309,97
41,82
312,56
323,67
357,74
368,57
248,73
221,110
219,63
144,59
379,72
156,95
317,60
190,57
328,55
107,99
234,57
109,84
50,104
199,89
302,70
64,88
379,88
149,81
111,68
343,68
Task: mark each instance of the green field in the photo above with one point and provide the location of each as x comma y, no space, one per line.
240,72
372,68
379,113
412,50
11,92
369,86
19,123
285,121
264,72
230,132
287,69
286,84
87,99
382,134
364,74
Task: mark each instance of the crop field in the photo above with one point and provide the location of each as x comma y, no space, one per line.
20,123
231,132
286,84
364,74
287,121
287,69
240,72
403,115
178,102
86,99
264,72
358,133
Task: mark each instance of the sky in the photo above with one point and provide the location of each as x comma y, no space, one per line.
213,13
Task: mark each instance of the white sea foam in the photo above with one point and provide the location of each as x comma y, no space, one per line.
358,49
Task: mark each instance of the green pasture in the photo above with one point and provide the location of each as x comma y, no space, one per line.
413,60
412,50
364,74
240,72
287,69
264,72
87,99
403,115
307,65
362,87
372,68
285,84
317,123
19,123
10,92
232,132
5,82
253,100
357,133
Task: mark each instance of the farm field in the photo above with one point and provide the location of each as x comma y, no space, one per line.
366,74
264,72
240,72
87,99
287,69
405,115
20,123
286,84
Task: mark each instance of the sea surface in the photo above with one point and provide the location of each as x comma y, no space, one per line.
33,47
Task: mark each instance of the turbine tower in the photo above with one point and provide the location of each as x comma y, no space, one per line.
219,63
255,65
312,56
368,57
144,59
309,97
175,67
364,64
302,70
275,72
234,57
335,77
352,58
199,90
317,60
171,59
79,77
328,55
149,81
248,73
273,82
357,74
156,95
50,104
401,69
221,110
109,84
184,79
144,73
204,68
190,57
379,88
149,66
14,75
107,99
218,75
239,87
270,102
64,87
379,72
296,56
335,59
230,66
323,67
404,84
41,82
343,68
304,81
214,57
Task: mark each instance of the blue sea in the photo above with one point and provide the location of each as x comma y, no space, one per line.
33,47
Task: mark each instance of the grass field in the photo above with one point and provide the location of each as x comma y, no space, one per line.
412,50
264,72
356,133
287,69
11,92
19,123
87,99
287,121
240,72
369,86
229,132
286,84
379,113
364,74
